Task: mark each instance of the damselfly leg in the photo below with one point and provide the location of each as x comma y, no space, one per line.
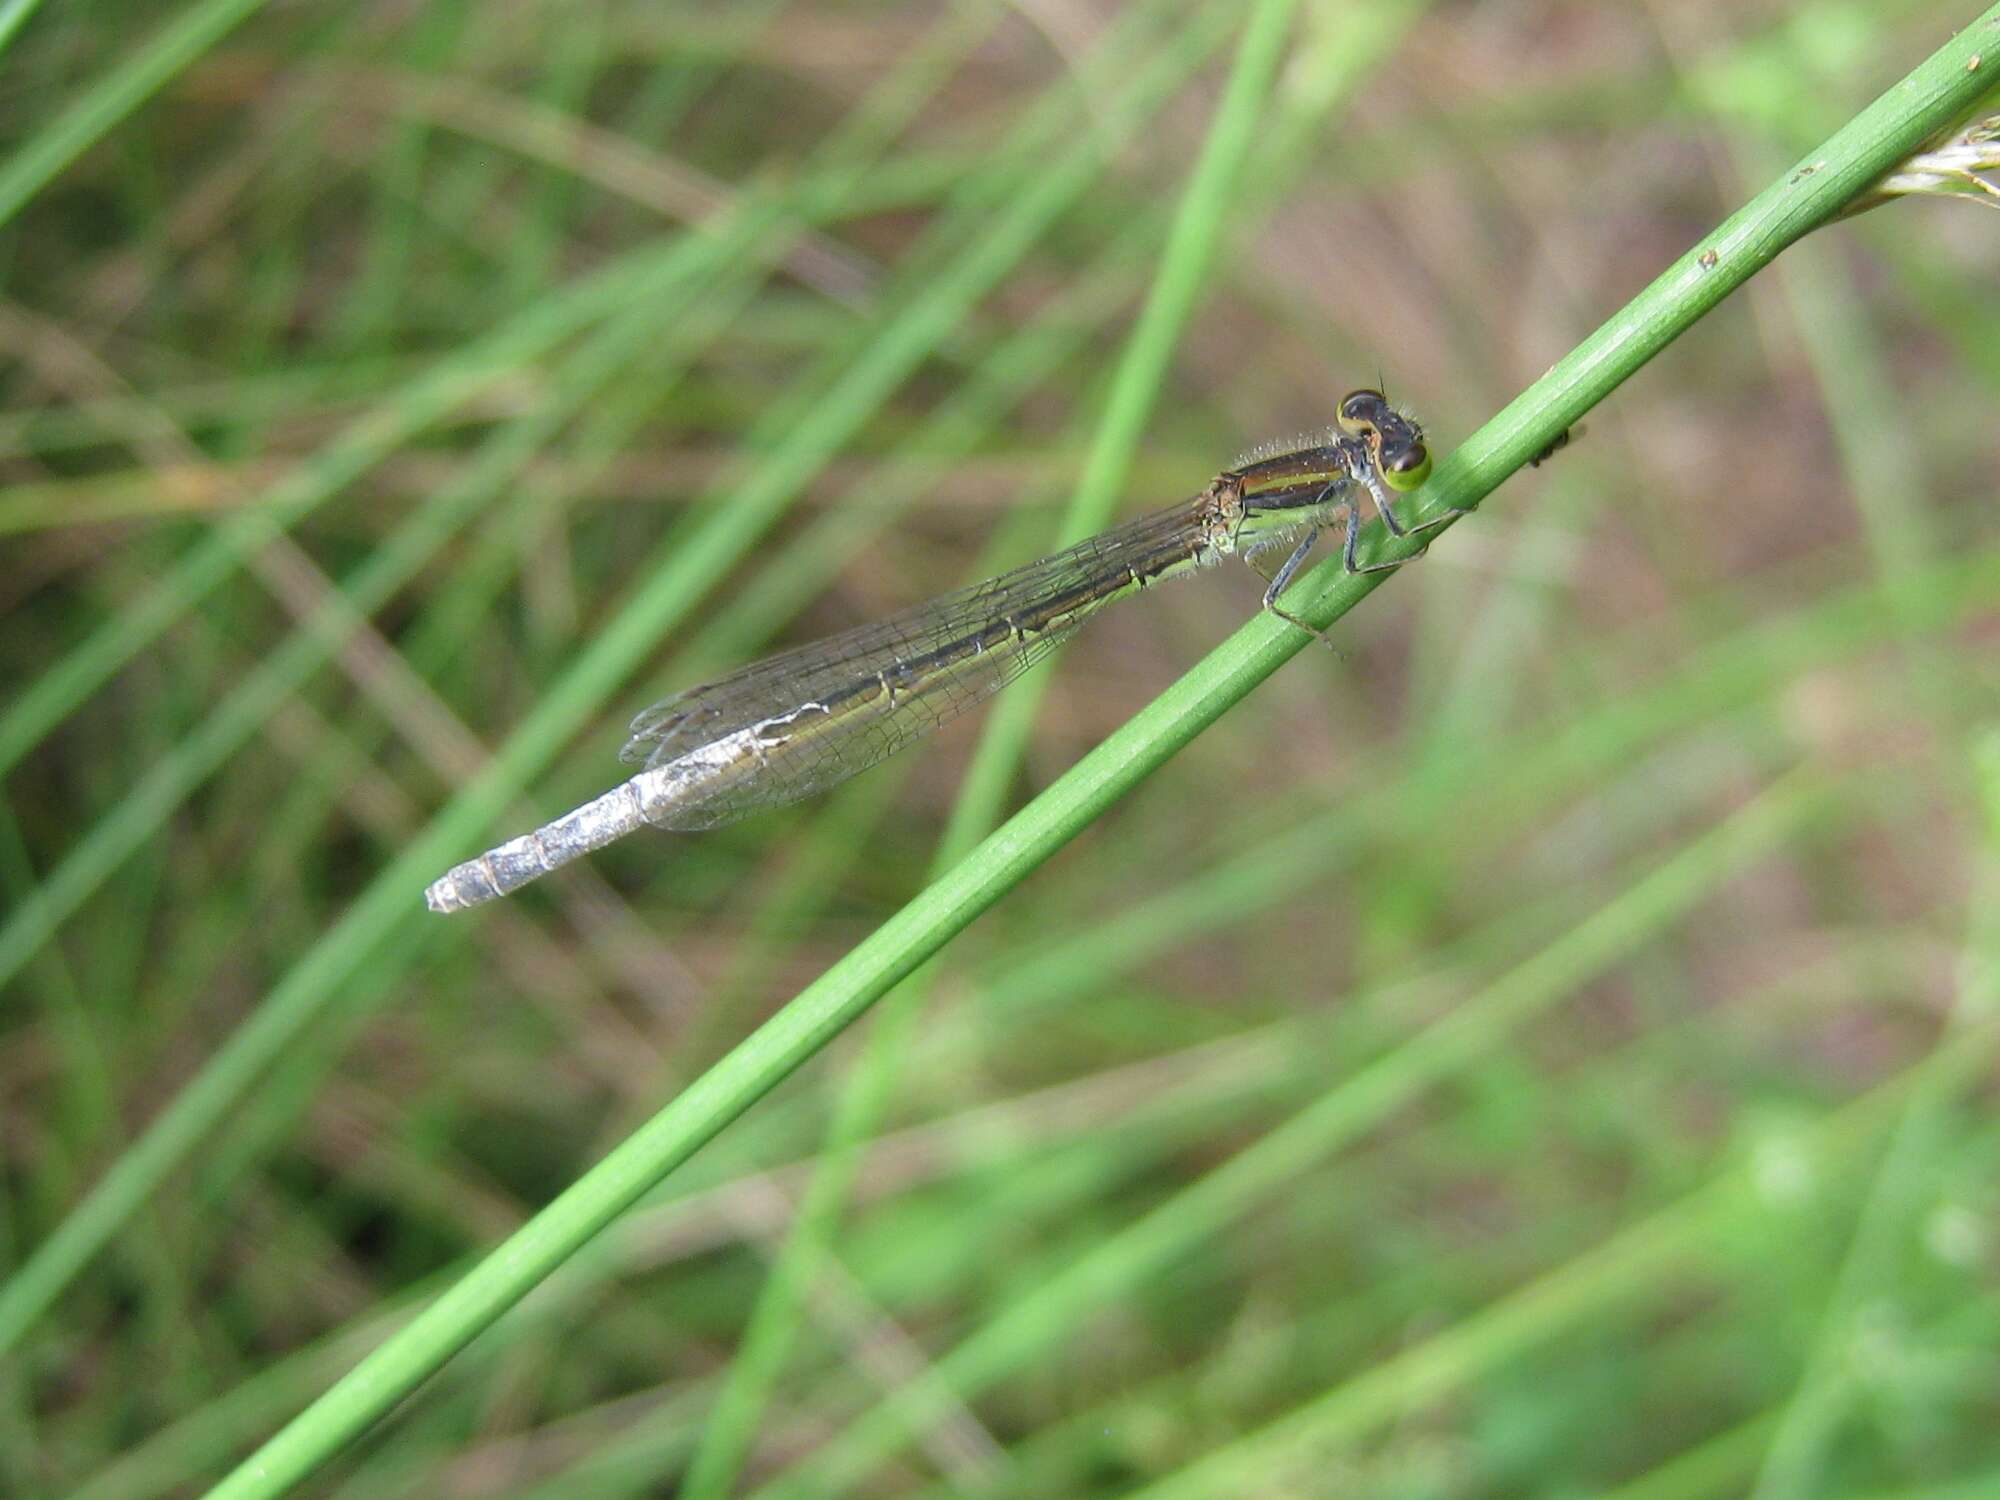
1280,580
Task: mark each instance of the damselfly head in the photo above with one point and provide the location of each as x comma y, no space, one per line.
1395,442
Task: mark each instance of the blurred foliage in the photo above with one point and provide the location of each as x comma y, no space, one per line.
1543,1049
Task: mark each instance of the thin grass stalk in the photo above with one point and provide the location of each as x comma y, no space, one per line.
1936,92
727,1436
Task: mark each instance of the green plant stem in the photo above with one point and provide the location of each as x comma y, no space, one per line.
769,1335
1034,1325
1805,198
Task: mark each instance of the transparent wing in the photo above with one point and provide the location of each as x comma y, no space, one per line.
824,712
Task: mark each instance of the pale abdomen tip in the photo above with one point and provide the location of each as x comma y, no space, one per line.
461,886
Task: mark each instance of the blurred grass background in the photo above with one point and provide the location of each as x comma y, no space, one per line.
1544,1049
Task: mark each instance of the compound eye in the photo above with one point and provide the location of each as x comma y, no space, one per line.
1407,467
1360,412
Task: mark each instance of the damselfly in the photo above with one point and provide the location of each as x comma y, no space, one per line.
806,719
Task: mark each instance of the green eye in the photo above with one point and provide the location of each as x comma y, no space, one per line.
1408,469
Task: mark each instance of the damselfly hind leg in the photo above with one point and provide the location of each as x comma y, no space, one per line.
1287,570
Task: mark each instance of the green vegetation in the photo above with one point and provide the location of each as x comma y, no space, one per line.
1538,1050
